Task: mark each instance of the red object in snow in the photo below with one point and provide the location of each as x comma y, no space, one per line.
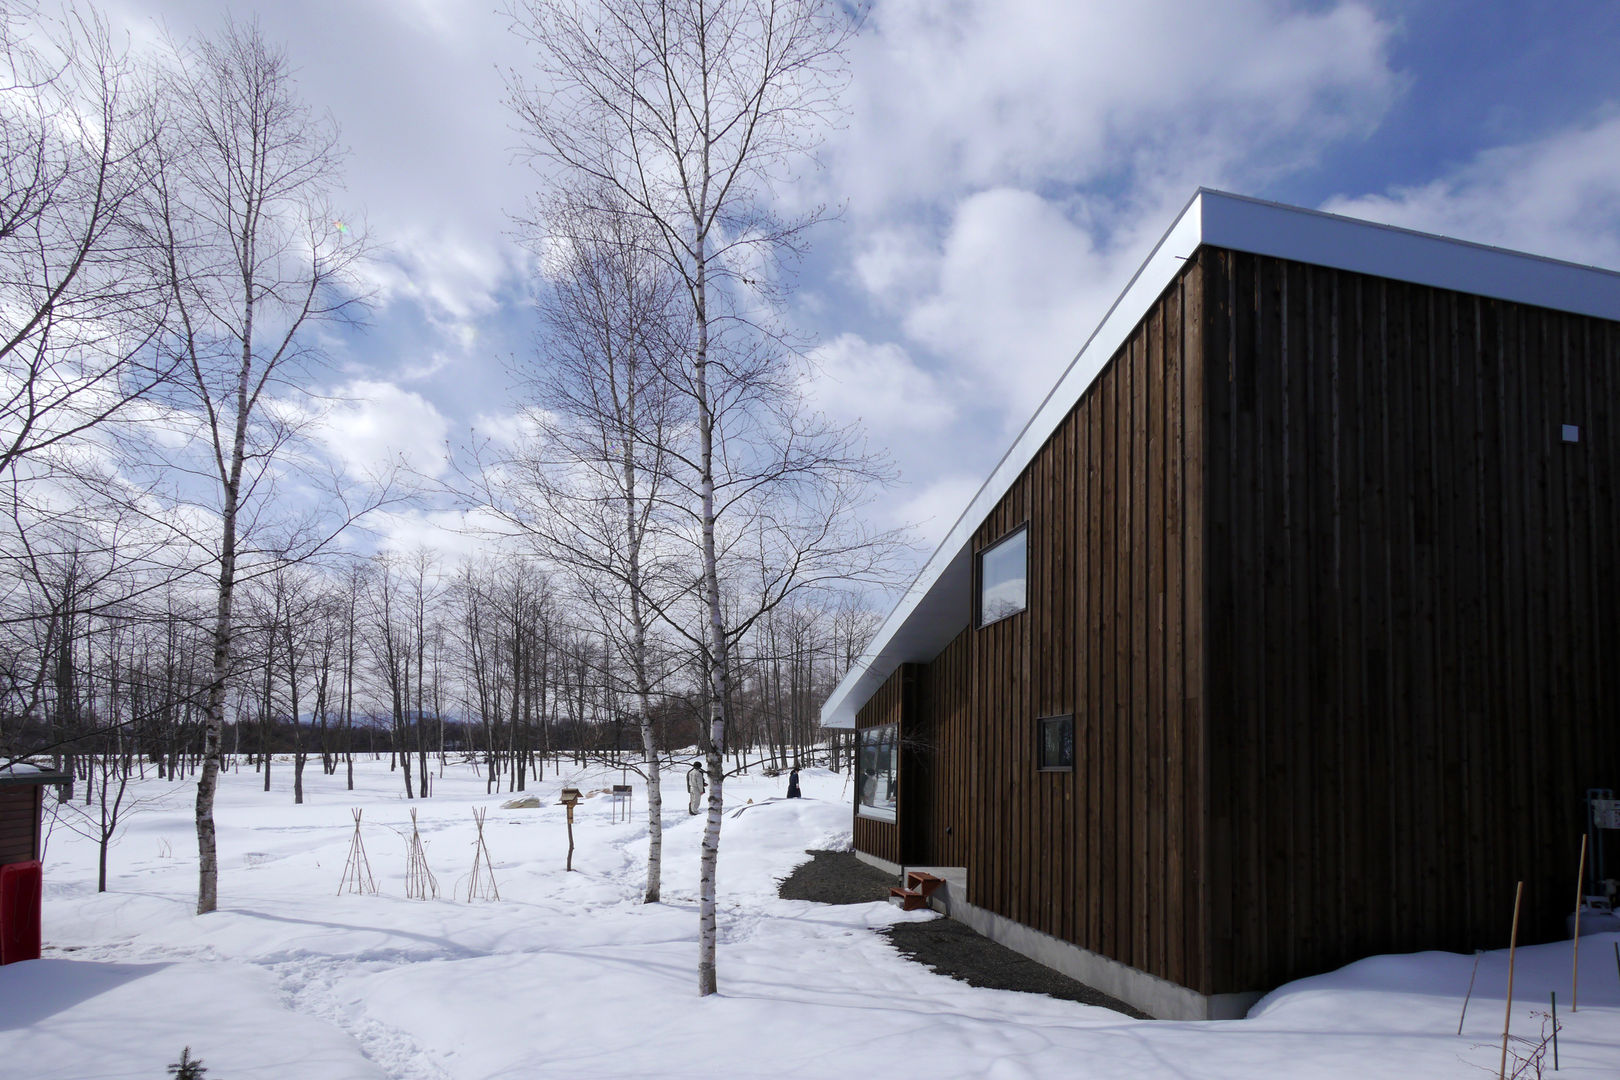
20,888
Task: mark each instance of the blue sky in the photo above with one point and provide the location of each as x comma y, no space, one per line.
1005,167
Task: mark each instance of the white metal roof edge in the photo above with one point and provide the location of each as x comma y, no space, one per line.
923,622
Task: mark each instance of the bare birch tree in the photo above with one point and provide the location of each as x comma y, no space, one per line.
691,113
254,256
79,306
588,483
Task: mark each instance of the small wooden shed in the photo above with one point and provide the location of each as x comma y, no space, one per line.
22,803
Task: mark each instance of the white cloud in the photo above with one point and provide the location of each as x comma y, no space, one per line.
879,385
1556,196
416,89
951,97
934,508
1017,285
455,536
376,424
1016,160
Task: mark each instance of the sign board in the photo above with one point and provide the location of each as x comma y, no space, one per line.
1606,813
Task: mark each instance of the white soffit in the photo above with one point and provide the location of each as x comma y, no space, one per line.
936,607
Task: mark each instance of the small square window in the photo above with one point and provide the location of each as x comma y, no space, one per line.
1003,577
1056,751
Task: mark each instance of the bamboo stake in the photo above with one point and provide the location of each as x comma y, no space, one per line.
1513,948
1575,962
1464,1016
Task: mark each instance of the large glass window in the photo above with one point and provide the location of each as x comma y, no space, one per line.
1003,573
1057,743
879,771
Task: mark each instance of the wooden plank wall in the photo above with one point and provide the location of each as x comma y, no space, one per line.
1109,856
1413,613
893,703
19,823
948,761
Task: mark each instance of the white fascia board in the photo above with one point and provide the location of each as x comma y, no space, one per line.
1365,247
937,605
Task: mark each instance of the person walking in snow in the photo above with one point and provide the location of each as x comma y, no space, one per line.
793,783
696,785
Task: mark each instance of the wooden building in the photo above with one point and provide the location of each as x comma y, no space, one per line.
22,800
1287,631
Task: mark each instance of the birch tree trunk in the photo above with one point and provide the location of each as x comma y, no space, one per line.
237,210
714,763
690,112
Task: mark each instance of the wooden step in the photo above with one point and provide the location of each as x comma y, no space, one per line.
910,899
924,883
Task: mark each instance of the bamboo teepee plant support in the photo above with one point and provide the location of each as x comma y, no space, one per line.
357,870
481,886
420,884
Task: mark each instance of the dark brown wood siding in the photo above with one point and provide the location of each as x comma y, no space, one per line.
1108,856
947,759
894,703
1334,607
1412,613
19,823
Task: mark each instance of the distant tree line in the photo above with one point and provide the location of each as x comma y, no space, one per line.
389,657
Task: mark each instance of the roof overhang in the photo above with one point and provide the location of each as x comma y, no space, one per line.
936,606
22,772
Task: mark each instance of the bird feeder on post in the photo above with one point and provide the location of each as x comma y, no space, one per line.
570,798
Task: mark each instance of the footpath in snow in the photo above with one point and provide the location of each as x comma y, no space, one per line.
569,974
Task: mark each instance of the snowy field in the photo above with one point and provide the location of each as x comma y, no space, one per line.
568,975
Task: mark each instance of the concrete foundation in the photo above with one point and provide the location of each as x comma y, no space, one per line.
1159,998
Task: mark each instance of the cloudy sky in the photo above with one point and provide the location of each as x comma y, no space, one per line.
1005,166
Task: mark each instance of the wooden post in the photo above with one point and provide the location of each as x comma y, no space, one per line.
570,865
1513,948
1575,962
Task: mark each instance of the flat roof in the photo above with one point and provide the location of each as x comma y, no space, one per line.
22,772
936,606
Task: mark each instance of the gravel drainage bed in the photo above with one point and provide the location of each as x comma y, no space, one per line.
944,945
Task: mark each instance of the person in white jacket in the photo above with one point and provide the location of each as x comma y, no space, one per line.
696,785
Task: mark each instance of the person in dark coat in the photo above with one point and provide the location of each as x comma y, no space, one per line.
793,784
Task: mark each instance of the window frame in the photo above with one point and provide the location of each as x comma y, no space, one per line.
862,808
979,623
1040,743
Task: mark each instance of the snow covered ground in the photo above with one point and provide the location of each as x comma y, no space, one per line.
569,975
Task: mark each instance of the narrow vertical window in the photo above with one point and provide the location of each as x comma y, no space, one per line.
1056,751
1003,577
879,772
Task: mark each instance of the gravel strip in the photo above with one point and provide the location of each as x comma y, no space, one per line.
949,948
944,945
836,877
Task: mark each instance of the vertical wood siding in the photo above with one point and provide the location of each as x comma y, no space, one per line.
894,703
1412,608
1108,856
19,823
1335,610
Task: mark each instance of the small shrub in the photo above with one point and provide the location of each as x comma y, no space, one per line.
188,1067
